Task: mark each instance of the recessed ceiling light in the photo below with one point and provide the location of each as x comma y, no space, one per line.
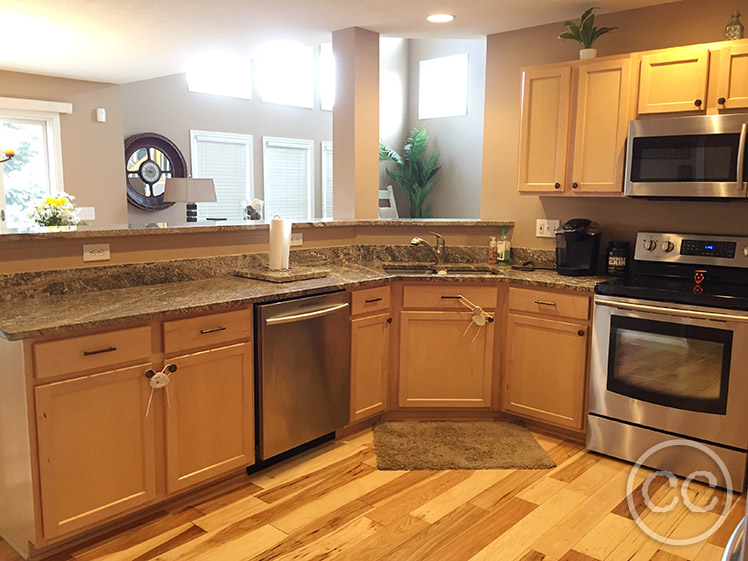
440,18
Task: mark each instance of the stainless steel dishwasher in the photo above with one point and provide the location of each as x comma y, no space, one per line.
303,370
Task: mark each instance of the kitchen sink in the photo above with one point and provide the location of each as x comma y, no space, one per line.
448,270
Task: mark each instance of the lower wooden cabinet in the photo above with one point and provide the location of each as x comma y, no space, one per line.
445,360
96,448
545,369
370,341
209,415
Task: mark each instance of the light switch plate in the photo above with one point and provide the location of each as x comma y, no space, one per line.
545,228
87,213
96,252
297,239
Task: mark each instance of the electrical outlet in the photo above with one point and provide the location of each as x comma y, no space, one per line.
96,252
297,239
545,228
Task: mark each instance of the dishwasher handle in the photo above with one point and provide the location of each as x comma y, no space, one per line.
305,316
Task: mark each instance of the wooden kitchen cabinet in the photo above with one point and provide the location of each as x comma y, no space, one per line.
96,448
370,342
732,81
587,157
673,80
545,359
209,415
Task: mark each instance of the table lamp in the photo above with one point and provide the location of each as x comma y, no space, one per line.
189,190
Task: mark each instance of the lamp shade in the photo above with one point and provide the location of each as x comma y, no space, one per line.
189,189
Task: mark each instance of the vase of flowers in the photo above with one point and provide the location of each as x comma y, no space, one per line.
58,210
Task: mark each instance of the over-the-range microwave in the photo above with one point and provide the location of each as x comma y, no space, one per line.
687,157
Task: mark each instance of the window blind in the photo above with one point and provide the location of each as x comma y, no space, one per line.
327,180
227,159
288,173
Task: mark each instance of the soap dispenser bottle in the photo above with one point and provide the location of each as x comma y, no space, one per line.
492,251
503,249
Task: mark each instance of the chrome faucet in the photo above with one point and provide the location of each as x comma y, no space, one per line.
438,252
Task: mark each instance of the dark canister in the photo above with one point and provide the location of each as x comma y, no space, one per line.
618,259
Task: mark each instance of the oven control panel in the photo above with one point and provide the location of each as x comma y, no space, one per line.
696,249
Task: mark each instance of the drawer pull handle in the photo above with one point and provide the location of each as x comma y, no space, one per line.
213,330
545,303
458,297
372,300
100,351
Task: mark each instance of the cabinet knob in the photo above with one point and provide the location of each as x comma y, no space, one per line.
580,332
574,185
721,100
557,186
389,320
697,103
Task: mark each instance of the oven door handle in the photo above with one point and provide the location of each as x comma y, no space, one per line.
695,314
741,157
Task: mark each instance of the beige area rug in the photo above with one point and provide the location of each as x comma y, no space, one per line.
457,445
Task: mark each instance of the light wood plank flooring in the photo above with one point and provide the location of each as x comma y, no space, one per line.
332,503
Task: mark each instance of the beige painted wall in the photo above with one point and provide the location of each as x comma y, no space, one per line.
93,160
680,23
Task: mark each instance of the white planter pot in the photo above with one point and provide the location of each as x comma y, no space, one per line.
584,54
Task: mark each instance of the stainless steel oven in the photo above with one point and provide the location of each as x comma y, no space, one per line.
669,356
687,157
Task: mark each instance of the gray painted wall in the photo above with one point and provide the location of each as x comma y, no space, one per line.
165,106
459,139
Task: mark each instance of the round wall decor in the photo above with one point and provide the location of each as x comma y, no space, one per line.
150,159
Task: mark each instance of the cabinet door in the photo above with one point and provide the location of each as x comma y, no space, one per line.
369,352
732,84
545,123
209,406
674,81
601,127
96,450
545,370
445,360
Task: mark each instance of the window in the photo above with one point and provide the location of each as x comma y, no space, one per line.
32,129
220,73
285,73
326,77
442,87
288,173
227,159
327,180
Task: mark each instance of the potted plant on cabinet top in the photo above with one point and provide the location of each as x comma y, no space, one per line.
416,172
585,33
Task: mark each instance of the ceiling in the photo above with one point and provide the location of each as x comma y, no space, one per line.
120,42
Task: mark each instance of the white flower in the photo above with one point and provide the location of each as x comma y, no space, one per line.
256,204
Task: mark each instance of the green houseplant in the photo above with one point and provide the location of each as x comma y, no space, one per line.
585,33
415,174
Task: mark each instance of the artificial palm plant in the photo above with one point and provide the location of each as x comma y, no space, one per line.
416,172
585,33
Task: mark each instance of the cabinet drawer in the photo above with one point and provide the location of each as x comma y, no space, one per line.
549,303
203,331
370,300
100,350
446,297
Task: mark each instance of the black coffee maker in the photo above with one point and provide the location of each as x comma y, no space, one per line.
577,247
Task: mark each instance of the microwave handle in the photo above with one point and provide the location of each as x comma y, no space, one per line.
741,156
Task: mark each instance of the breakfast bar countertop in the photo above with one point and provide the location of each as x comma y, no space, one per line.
68,313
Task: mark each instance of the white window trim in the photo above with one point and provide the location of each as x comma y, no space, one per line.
49,112
326,147
245,140
292,143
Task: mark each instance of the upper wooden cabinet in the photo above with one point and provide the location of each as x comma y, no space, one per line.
588,156
732,82
674,81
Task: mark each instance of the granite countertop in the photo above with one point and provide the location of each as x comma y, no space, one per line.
72,313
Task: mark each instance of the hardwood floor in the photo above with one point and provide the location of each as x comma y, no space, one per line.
332,503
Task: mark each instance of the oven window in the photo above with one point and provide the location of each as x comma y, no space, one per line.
698,157
671,364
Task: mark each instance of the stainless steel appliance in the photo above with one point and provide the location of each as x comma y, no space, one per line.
735,549
577,247
686,157
669,353
303,370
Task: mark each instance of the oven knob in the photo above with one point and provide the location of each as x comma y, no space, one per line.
649,245
745,251
668,246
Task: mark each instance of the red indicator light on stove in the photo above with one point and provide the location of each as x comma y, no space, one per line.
697,289
699,276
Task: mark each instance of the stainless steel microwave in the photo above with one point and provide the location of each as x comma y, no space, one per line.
687,157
